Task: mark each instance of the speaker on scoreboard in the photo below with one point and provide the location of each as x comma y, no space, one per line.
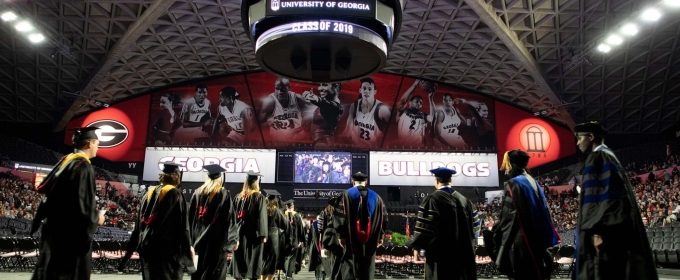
360,163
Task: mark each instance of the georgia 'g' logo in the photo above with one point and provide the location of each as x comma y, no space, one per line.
110,133
275,5
534,138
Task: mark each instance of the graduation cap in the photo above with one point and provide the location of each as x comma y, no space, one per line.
443,172
214,170
269,193
590,128
359,177
84,133
252,176
289,202
519,157
229,92
170,167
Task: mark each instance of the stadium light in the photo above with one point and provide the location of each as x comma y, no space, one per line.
614,40
36,38
24,26
8,16
629,29
604,48
651,14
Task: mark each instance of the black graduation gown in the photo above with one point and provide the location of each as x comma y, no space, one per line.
444,228
329,242
295,236
209,221
251,213
608,208
70,221
524,232
361,225
314,248
278,224
161,234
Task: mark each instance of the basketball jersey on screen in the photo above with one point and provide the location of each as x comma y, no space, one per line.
412,128
449,129
237,134
196,112
364,128
285,123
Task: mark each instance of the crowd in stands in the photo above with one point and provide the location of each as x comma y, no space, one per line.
17,198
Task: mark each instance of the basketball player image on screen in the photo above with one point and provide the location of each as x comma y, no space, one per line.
282,112
446,123
485,130
195,117
368,117
165,121
327,114
412,122
235,121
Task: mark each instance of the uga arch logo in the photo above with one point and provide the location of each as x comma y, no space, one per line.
534,138
110,133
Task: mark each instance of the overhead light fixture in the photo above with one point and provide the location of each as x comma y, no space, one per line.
604,48
36,37
8,16
672,3
24,26
614,40
651,14
629,29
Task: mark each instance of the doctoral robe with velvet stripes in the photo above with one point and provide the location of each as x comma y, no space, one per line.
524,232
445,229
608,209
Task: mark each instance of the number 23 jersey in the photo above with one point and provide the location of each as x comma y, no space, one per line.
365,131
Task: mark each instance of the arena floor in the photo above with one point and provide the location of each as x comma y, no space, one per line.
301,276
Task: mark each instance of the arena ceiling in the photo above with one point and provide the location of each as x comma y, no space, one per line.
537,54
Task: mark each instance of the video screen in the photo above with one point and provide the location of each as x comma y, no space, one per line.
323,167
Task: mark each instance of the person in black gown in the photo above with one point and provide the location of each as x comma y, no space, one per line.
331,252
210,213
360,223
314,250
278,224
296,238
250,223
444,229
69,213
525,230
161,234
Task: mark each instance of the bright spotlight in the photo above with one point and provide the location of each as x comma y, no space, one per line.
651,14
36,38
614,40
8,16
24,26
604,48
629,29
672,3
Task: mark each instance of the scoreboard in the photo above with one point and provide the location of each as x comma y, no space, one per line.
322,41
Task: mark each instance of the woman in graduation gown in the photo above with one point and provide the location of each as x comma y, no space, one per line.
209,220
525,230
161,233
250,223
331,249
278,224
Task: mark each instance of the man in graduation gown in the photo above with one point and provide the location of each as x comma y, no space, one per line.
278,225
445,230
250,224
359,221
68,214
314,249
210,212
612,243
330,241
296,238
161,234
525,230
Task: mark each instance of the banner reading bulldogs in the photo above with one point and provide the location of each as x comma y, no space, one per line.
413,169
236,161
